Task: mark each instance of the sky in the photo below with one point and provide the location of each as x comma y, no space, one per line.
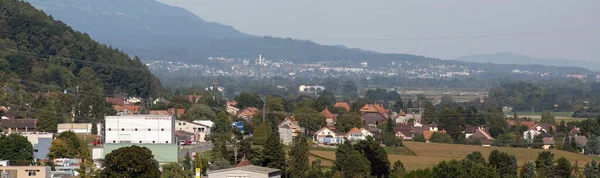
444,29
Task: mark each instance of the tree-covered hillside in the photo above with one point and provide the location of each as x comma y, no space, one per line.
38,53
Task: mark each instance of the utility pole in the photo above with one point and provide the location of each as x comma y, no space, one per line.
264,106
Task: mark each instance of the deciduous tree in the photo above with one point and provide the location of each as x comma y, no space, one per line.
17,149
131,161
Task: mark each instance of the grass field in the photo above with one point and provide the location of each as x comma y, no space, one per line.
559,116
429,154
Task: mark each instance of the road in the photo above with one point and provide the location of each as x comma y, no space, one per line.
199,147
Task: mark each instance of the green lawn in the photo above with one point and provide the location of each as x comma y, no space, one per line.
557,114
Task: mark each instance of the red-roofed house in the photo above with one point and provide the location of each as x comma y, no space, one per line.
330,118
288,129
325,135
356,134
344,105
247,113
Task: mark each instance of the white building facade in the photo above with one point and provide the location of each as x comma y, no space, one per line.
148,129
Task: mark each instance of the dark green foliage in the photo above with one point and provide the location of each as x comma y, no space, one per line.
316,170
528,170
347,121
380,165
187,162
42,43
246,99
419,138
47,118
440,137
504,163
547,117
321,103
261,133
17,149
592,147
562,168
472,159
298,162
398,168
132,161
388,136
480,170
544,164
274,156
562,127
419,173
399,104
429,113
173,170
450,168
199,112
506,139
329,95
67,145
591,169
351,162
309,119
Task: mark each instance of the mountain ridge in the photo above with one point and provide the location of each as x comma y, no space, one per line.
512,58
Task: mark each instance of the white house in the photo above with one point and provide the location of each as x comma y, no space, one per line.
325,135
153,129
199,130
533,131
78,128
357,134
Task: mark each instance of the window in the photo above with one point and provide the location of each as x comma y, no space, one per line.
114,141
184,123
167,142
135,129
179,123
108,129
122,129
153,142
140,141
149,129
32,172
162,129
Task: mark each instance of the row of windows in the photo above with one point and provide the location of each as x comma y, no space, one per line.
130,141
199,129
122,129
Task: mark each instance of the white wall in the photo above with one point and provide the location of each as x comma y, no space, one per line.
139,128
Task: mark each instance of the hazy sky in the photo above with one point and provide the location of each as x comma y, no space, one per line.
435,28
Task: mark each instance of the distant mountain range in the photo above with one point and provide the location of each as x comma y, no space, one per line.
511,58
155,31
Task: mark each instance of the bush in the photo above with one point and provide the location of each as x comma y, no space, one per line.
419,138
440,137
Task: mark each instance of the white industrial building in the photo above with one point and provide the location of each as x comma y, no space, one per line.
147,129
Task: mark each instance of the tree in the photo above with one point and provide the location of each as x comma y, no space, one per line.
538,142
389,135
419,138
274,156
528,170
349,87
174,170
47,118
429,113
219,163
447,169
398,168
321,103
246,99
472,159
347,121
261,133
399,105
351,162
329,95
440,137
506,139
67,145
548,118
298,163
17,149
562,168
544,163
410,104
505,163
316,170
591,169
131,161
480,170
199,112
198,162
310,119
592,147
562,127
372,150
187,163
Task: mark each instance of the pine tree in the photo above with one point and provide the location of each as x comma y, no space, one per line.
372,150
298,163
562,168
591,169
198,161
350,162
528,170
544,163
261,133
399,105
410,104
187,162
274,156
47,118
505,163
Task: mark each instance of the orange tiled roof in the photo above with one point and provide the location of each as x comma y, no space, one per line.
134,109
244,162
371,108
248,112
427,133
342,105
353,130
159,112
402,113
328,114
180,111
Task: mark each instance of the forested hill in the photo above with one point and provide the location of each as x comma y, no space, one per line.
38,53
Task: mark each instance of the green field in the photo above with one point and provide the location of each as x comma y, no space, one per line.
536,116
424,155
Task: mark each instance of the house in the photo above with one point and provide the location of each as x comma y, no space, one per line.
330,118
66,166
375,108
247,113
232,110
344,105
199,131
25,171
356,134
245,169
169,112
326,136
548,142
411,129
288,129
401,118
537,129
133,100
41,143
372,119
156,132
207,123
479,133
18,125
194,98
78,128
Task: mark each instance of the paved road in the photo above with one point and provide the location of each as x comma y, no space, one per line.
199,147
